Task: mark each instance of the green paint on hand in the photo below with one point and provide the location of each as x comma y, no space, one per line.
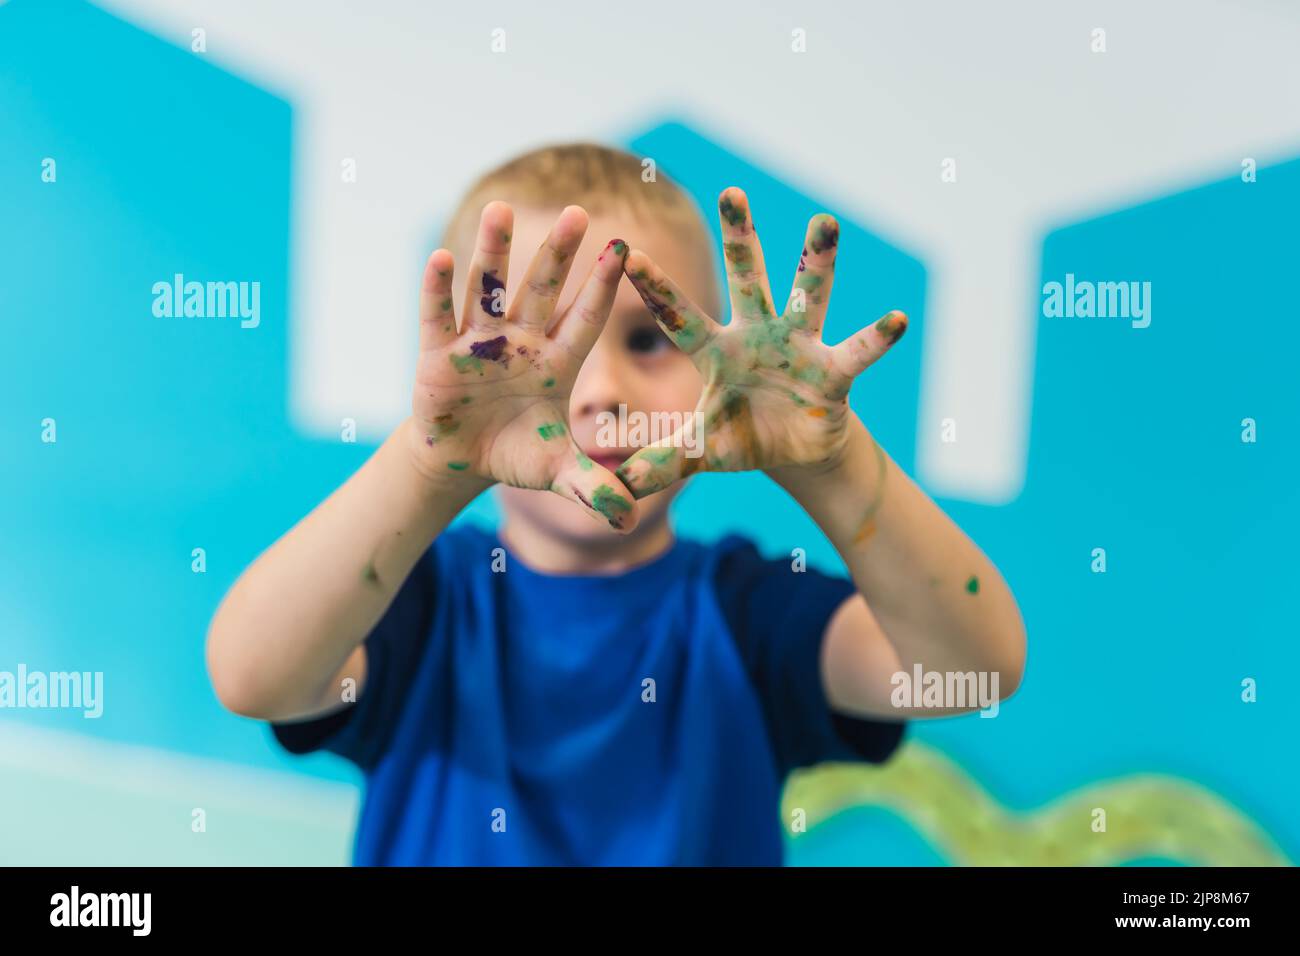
584,462
457,465
446,304
610,503
973,585
687,333
739,254
891,327
548,383
466,363
774,335
768,345
663,469
370,575
810,282
753,303
805,371
735,215
825,235
551,430
444,425
620,247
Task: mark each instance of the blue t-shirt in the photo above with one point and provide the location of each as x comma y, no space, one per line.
644,718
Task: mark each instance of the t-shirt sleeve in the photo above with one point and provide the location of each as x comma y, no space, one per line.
361,731
778,617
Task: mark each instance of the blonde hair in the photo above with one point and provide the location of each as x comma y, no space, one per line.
598,178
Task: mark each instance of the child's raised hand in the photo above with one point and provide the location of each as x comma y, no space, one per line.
775,395
492,398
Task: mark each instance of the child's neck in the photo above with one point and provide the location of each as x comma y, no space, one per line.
544,550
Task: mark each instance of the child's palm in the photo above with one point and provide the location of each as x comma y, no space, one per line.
485,400
492,400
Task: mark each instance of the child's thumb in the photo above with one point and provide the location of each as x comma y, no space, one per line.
596,490
657,466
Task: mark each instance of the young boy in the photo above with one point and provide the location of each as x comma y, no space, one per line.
566,690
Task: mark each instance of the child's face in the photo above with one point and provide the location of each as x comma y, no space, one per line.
632,363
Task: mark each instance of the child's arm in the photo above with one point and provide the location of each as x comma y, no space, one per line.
490,404
776,398
927,594
291,627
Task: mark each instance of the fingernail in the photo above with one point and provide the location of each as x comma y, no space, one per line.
619,247
891,327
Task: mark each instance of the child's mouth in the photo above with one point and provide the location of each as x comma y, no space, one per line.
608,459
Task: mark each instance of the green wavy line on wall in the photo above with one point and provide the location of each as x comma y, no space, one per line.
1147,815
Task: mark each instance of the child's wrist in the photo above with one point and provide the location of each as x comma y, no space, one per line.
844,466
441,473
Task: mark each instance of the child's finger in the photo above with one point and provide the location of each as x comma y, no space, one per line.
596,491
657,467
437,317
580,325
751,297
853,356
680,318
485,293
535,301
812,282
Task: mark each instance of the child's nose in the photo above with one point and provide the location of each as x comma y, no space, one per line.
599,386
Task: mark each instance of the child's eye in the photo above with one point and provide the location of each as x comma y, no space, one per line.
647,338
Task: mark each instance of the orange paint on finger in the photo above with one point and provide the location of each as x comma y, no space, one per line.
891,327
